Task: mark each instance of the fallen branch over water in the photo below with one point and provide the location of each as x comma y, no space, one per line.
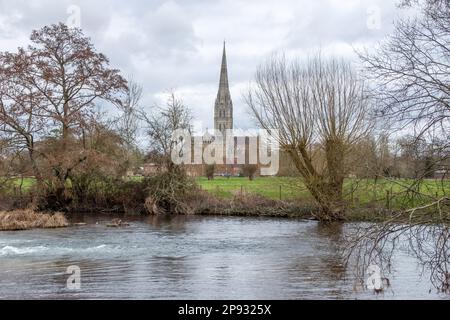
29,219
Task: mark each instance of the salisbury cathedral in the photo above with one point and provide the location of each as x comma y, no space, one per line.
245,149
223,108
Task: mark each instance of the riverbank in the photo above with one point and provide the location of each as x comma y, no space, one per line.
256,206
248,207
202,204
28,219
357,191
370,201
251,205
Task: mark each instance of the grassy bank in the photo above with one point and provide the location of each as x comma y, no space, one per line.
29,219
391,194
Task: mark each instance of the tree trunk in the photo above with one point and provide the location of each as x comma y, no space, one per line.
34,165
329,198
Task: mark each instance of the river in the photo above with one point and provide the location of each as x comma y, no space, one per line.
192,258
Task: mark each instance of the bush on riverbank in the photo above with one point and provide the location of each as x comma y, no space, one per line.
165,193
171,192
101,195
30,219
249,205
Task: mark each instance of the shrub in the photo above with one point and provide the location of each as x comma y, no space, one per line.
169,191
249,170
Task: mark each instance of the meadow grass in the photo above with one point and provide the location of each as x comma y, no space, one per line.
392,193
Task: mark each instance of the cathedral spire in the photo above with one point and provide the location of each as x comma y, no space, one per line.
223,109
224,89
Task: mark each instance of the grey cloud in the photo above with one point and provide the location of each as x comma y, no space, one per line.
174,44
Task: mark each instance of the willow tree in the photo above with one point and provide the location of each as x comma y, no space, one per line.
320,109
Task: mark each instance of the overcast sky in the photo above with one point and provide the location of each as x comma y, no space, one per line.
177,44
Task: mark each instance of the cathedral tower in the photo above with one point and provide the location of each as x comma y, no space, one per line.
223,109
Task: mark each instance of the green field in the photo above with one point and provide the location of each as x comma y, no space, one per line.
269,187
356,191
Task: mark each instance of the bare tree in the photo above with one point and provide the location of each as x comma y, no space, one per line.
317,106
162,124
172,187
21,118
128,121
411,76
410,73
70,74
411,70
50,88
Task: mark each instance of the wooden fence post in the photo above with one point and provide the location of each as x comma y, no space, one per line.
388,199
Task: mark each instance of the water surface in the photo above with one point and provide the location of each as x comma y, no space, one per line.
192,258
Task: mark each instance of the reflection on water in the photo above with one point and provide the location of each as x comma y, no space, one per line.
191,258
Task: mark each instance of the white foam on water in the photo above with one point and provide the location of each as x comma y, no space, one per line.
11,250
15,251
102,246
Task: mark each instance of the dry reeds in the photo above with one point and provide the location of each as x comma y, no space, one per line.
29,219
